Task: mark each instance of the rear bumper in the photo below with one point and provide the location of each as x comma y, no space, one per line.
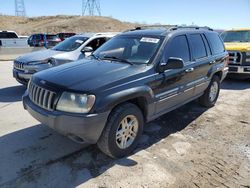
87,127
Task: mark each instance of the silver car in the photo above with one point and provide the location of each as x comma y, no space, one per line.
72,49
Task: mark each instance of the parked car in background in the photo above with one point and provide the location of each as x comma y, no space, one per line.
11,39
8,35
64,36
237,43
39,40
219,31
132,79
71,49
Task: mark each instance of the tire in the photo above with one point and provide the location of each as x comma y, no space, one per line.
109,143
206,99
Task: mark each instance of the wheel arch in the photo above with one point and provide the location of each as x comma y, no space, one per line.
142,97
219,74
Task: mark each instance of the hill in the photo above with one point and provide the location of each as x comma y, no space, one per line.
56,24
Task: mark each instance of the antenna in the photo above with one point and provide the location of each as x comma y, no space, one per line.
20,8
91,7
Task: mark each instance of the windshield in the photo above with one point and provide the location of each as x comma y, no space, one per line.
51,36
236,36
70,44
134,49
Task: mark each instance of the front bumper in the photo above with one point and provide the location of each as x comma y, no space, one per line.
21,76
87,127
239,69
239,72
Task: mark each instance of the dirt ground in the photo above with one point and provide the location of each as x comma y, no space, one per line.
189,147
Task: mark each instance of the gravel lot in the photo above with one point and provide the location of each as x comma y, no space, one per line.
189,147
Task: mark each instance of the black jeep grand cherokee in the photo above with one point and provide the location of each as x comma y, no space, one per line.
132,79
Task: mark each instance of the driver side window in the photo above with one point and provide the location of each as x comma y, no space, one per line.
179,48
96,43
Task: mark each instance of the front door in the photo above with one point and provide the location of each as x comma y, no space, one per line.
171,90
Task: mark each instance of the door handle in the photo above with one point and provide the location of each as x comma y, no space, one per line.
212,62
189,70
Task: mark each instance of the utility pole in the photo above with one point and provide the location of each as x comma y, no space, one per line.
20,8
91,7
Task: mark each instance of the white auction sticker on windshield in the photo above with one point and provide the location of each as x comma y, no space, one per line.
79,41
150,40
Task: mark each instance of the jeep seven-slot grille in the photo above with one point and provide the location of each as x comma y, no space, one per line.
235,57
41,97
19,65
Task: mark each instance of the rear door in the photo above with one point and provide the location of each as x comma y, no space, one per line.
201,62
219,53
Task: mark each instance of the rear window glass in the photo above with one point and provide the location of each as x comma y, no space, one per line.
215,43
198,46
8,35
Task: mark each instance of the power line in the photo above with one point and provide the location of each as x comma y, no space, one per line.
20,8
91,7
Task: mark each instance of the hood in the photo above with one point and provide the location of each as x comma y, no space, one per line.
237,46
88,75
38,55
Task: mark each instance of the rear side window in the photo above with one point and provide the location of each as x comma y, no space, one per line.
178,48
198,46
215,43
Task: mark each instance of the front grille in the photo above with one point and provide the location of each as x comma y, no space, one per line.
235,57
41,97
19,65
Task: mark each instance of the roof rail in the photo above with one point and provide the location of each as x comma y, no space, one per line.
106,33
189,27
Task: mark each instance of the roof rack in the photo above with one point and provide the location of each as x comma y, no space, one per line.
152,27
189,27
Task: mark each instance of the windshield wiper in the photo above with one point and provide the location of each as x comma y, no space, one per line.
117,59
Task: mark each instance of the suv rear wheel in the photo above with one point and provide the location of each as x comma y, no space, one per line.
122,132
209,98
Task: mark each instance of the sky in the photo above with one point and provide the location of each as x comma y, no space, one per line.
220,14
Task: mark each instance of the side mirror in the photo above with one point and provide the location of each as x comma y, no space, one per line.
172,63
87,49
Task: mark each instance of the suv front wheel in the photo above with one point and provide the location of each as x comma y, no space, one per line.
122,132
211,94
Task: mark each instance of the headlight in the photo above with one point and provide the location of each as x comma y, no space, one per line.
38,62
248,53
76,103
